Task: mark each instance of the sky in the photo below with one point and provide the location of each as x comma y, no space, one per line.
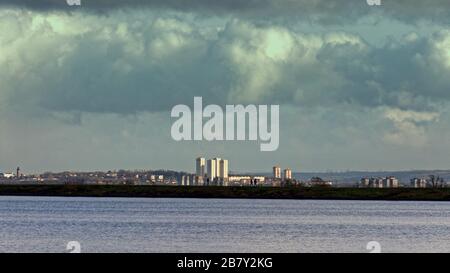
91,88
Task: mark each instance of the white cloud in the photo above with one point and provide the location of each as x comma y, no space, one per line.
398,115
442,48
409,127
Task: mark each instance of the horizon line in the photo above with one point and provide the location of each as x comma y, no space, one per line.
231,172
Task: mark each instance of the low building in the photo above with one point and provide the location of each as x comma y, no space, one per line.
319,182
364,182
259,179
418,182
379,182
188,180
239,180
200,180
246,180
7,175
391,182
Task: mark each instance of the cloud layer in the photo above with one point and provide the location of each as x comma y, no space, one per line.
119,65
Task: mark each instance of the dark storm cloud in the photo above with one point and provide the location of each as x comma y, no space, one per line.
325,11
165,62
154,60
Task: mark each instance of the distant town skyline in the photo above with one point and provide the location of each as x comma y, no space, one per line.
268,170
359,87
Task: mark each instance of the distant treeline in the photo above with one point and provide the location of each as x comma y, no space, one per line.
227,192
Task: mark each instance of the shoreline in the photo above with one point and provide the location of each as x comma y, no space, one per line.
215,192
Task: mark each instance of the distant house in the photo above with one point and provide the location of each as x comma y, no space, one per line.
317,181
6,175
419,182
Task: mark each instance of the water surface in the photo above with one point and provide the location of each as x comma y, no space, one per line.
46,224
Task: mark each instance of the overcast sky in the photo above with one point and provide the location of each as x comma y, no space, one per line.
91,87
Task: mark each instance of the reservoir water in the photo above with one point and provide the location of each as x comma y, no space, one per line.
47,224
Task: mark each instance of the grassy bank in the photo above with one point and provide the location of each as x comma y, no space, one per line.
227,192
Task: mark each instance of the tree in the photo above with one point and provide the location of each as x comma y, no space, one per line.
436,181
